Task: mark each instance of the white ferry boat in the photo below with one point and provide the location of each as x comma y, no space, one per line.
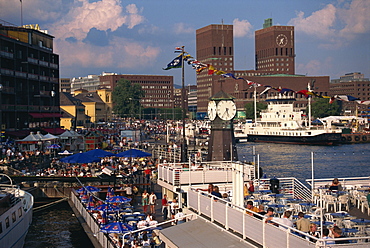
15,213
281,123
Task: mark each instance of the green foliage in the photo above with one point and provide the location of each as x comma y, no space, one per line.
126,98
321,107
249,109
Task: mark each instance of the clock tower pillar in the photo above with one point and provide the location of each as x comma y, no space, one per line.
221,112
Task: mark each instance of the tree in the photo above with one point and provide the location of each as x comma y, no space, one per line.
249,109
321,108
126,98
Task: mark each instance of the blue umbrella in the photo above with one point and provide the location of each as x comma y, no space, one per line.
107,208
110,193
133,153
118,199
54,146
116,227
99,153
81,158
88,188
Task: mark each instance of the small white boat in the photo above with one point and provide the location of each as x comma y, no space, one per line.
15,213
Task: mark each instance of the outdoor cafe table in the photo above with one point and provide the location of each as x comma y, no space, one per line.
361,221
324,223
339,215
306,206
349,231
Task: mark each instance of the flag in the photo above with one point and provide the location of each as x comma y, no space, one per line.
220,72
285,90
265,90
228,75
347,98
332,99
367,102
175,63
211,70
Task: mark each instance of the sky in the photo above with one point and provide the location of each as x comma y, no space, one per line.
332,38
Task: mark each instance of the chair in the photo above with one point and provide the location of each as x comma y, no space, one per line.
347,224
330,200
343,200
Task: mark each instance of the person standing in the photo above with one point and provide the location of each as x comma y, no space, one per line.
152,202
165,207
145,201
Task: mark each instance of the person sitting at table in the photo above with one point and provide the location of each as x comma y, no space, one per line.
335,185
153,222
302,223
251,208
216,192
313,232
325,235
261,211
282,221
141,224
337,233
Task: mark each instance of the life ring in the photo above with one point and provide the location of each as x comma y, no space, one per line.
357,138
343,138
364,138
349,138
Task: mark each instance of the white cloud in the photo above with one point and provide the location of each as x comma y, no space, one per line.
315,67
319,24
356,19
102,15
182,28
120,53
241,28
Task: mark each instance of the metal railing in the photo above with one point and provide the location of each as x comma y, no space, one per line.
209,172
249,227
102,238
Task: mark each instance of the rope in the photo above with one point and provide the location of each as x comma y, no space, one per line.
49,205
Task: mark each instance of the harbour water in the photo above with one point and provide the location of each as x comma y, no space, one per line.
57,227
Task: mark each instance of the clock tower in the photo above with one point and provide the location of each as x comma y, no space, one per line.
221,112
274,49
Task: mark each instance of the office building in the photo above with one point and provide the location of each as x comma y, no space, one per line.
29,76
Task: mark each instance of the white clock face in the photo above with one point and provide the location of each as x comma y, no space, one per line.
281,40
212,110
226,110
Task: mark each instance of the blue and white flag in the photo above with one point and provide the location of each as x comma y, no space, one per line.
175,63
347,98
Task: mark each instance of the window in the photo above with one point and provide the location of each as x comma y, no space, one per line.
7,222
14,218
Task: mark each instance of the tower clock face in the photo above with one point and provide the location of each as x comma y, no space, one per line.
212,110
281,40
226,110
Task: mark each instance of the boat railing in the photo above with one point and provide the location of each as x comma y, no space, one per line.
347,183
294,188
254,227
208,172
91,222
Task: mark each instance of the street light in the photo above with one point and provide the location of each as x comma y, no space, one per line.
52,94
1,111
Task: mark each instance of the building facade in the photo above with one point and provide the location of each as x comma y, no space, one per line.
353,84
29,76
274,49
159,90
214,47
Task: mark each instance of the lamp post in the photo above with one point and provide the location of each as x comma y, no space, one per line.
1,113
52,94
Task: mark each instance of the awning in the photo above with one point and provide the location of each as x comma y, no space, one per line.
200,233
55,131
45,115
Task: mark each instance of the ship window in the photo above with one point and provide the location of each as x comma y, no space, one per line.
7,222
20,212
14,218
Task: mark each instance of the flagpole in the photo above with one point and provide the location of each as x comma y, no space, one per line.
21,14
183,149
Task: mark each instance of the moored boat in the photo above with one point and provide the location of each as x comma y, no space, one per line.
15,213
281,123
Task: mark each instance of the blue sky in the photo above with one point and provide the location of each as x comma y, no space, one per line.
139,37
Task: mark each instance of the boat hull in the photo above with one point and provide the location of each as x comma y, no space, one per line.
322,139
355,138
